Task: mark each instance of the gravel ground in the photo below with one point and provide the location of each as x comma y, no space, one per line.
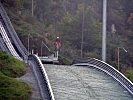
29,78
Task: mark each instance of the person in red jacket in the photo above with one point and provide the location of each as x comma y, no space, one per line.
57,43
57,46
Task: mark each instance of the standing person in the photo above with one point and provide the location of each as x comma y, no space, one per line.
57,43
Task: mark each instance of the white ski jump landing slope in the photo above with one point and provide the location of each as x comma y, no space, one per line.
83,83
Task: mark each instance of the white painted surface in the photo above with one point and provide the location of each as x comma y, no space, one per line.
82,83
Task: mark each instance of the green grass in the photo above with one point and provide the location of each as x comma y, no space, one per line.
64,60
12,89
10,66
129,75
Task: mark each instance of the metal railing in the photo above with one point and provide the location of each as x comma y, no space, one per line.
8,42
119,77
3,46
44,74
12,32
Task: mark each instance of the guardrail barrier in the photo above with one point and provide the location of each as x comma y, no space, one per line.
119,77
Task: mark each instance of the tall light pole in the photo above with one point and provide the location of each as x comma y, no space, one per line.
82,37
32,9
104,30
119,56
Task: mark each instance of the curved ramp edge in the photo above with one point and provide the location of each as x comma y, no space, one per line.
12,32
38,61
108,69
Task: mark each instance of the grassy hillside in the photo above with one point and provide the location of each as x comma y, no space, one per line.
10,66
129,75
10,88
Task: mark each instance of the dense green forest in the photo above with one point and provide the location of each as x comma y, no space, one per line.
64,18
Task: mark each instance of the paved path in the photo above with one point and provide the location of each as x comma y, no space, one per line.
40,80
29,78
82,83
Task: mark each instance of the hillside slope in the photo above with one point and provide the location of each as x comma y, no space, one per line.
10,88
64,18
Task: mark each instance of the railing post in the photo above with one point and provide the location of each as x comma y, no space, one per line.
118,58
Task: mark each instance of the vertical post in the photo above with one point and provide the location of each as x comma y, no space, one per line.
28,43
82,37
118,59
104,30
64,5
119,56
41,47
32,51
57,54
32,8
